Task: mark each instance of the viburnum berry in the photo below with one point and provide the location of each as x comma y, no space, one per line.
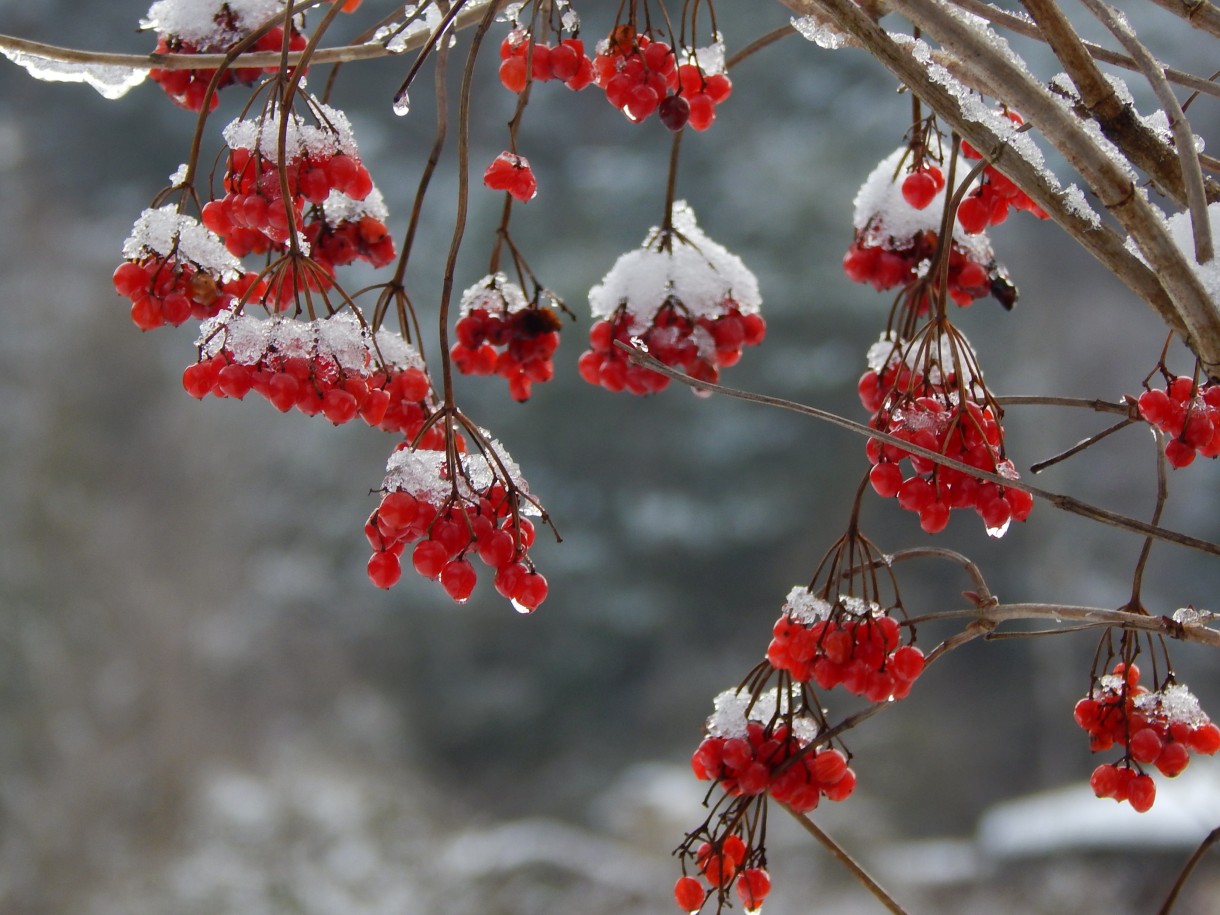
501,332
1189,415
450,522
333,366
689,894
1160,727
682,297
208,27
512,173
522,58
897,226
848,642
950,415
753,885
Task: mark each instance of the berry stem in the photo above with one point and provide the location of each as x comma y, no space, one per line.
851,864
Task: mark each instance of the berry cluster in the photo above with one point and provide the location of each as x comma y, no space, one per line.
333,367
512,173
347,230
1159,727
522,58
641,75
850,642
208,27
988,204
318,160
945,412
721,866
896,235
175,270
1189,414
684,297
501,332
749,751
451,517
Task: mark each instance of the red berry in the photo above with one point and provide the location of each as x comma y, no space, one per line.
458,578
689,894
753,885
384,569
919,189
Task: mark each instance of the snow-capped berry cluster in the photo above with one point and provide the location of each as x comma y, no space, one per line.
896,239
211,27
501,332
1189,415
512,173
750,750
684,297
176,270
989,202
723,864
318,160
522,58
347,230
451,517
333,366
641,74
932,396
1158,728
850,642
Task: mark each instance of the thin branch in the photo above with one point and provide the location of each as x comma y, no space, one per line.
1199,13
1060,501
1210,840
847,861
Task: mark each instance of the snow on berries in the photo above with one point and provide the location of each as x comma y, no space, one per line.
1189,415
642,74
452,516
988,203
501,332
512,173
319,159
928,391
333,366
175,270
1159,728
212,26
896,237
848,642
685,298
341,231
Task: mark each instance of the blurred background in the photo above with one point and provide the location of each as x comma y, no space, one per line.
205,707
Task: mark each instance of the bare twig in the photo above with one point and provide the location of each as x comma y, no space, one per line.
1210,840
850,863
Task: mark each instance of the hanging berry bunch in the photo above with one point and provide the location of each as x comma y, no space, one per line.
319,158
685,298
539,51
897,226
210,27
511,173
332,366
341,231
501,332
758,745
988,203
929,391
454,505
1189,415
176,270
1159,727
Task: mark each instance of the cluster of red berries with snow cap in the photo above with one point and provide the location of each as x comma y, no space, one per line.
685,298
1189,415
724,862
895,240
208,27
450,517
501,332
641,74
758,745
522,59
929,392
344,230
319,159
850,642
176,270
1160,728
333,366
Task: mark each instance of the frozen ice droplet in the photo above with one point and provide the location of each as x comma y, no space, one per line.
402,105
1000,531
520,607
